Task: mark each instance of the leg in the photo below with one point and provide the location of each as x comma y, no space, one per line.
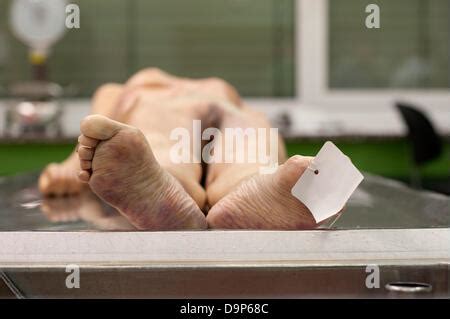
61,178
242,198
157,102
150,189
209,89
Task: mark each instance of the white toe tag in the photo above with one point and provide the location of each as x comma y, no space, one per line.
327,183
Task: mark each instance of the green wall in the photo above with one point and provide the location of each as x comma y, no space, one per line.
387,158
248,43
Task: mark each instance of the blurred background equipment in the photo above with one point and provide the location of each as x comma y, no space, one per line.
39,24
34,108
426,145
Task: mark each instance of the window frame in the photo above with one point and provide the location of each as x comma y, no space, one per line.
311,41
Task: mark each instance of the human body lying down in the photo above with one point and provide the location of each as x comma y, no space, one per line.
125,156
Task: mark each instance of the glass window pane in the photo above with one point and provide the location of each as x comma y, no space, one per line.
410,50
248,43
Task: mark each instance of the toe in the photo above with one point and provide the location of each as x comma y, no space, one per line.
288,173
44,183
54,179
87,142
100,127
45,178
85,165
84,176
85,153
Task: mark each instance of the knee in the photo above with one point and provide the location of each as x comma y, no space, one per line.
149,76
151,72
107,89
225,88
217,81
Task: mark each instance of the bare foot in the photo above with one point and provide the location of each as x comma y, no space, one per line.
60,178
265,202
123,172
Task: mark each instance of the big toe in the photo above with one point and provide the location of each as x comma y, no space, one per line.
288,173
99,127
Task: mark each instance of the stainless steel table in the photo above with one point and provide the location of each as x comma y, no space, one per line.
401,234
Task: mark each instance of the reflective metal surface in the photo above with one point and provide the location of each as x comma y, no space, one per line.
409,287
377,203
402,263
412,263
23,208
229,282
34,110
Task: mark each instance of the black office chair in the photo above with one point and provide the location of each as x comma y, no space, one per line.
426,144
